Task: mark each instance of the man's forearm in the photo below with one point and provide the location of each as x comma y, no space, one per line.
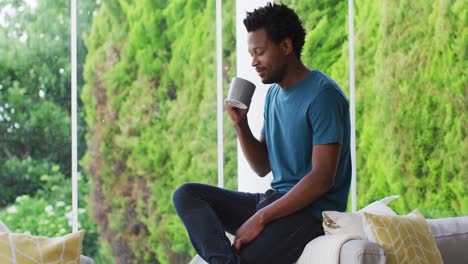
254,150
311,187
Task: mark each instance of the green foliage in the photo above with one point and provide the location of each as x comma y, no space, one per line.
35,79
51,211
151,104
326,46
20,177
151,108
412,105
38,129
35,141
51,217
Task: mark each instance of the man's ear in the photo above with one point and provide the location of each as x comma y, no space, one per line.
286,46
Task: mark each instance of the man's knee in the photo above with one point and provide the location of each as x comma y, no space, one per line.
182,194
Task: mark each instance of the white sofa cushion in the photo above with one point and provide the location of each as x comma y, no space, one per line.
348,223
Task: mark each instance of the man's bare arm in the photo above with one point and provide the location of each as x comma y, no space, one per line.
254,150
316,183
312,186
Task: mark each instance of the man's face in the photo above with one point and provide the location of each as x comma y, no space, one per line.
267,57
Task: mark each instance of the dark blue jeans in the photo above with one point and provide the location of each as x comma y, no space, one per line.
208,211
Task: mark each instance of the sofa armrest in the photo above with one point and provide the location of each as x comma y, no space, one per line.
451,236
362,252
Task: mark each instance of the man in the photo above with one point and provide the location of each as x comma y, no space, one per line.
304,142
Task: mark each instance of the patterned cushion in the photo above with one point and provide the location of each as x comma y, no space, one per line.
407,239
16,248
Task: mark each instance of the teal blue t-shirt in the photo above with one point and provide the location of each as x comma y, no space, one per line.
313,111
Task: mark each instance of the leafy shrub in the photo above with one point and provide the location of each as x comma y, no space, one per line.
48,213
26,177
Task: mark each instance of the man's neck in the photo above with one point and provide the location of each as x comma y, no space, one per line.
295,73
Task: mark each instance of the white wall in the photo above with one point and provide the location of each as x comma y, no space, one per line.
248,181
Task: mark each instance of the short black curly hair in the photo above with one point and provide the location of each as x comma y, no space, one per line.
280,22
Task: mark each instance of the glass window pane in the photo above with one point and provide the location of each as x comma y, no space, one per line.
35,152
35,142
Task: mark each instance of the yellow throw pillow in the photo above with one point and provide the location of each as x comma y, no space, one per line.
407,239
16,248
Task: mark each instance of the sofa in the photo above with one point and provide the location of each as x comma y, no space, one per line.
376,234
51,246
346,239
450,234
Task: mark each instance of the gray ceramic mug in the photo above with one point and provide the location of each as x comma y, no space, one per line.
240,93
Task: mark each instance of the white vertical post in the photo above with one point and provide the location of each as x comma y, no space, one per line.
352,103
219,82
248,181
74,119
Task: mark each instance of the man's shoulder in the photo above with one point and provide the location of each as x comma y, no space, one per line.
321,80
315,84
325,85
274,88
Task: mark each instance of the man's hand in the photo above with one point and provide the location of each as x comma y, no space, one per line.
254,150
249,231
237,115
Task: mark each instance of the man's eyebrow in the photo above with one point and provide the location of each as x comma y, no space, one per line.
252,50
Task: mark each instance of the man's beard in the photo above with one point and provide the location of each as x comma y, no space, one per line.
276,76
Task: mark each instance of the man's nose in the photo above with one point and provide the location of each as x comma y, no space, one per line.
254,61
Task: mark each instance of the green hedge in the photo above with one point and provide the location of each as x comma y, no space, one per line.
151,107
411,108
150,100
48,211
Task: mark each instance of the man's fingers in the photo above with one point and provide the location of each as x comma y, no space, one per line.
231,108
234,244
237,244
238,241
